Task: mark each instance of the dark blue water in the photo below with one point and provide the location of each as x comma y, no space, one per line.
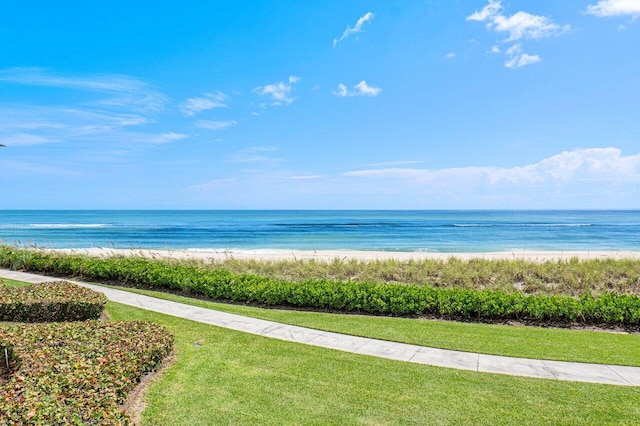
432,231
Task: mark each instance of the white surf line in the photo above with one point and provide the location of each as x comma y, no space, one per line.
543,369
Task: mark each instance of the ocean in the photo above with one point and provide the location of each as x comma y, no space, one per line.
438,231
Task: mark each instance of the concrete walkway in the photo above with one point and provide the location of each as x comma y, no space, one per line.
555,370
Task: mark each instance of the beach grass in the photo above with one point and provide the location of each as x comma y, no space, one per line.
227,377
507,340
550,277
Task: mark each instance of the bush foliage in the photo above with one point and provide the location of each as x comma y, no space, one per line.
54,301
362,297
78,372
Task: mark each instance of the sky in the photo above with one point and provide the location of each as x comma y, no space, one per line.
333,104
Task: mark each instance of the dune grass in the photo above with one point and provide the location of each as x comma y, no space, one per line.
227,377
518,341
561,277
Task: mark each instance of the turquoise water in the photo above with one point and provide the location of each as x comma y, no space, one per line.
430,231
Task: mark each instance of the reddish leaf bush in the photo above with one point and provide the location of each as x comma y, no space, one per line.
78,373
50,302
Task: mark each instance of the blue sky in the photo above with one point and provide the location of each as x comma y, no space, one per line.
320,105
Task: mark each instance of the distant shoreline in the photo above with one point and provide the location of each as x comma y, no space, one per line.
331,255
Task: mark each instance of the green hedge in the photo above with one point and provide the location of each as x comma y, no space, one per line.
363,297
48,302
80,372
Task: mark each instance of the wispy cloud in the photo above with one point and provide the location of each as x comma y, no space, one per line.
257,155
106,111
367,17
211,185
360,89
35,167
450,55
519,26
125,91
606,8
159,138
215,125
306,177
36,125
279,93
24,139
193,106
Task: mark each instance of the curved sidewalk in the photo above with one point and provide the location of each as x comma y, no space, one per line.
555,370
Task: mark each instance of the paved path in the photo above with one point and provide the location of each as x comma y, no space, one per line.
555,370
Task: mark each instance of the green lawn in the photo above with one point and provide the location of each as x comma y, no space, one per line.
227,377
518,341
13,283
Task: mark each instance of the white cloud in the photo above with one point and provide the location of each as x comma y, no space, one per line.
518,59
193,106
450,55
519,25
603,165
521,60
341,91
355,29
280,93
615,8
489,11
360,89
215,125
526,25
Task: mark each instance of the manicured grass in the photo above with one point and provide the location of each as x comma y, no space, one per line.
14,283
518,341
226,377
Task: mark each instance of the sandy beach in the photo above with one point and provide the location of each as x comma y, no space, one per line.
330,255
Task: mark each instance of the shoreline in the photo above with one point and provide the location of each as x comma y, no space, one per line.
267,255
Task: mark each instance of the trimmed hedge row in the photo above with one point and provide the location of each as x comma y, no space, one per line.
50,302
363,297
80,372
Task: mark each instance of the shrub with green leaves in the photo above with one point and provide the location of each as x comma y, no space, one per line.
78,373
54,301
324,294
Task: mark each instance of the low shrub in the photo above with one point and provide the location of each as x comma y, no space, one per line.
78,372
48,302
361,297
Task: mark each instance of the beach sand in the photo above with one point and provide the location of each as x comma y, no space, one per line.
330,255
